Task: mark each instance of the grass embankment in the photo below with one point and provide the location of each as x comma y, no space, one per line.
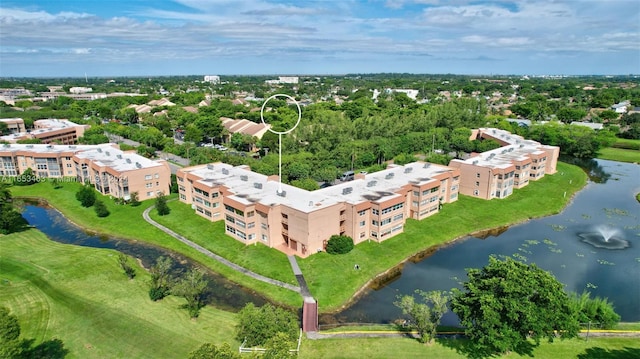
333,280
383,348
81,296
127,222
623,150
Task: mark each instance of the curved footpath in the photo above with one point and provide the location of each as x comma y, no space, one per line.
218,258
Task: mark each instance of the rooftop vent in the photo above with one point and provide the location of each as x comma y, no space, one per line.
108,154
522,145
210,166
138,165
225,171
281,193
49,146
128,160
310,203
6,145
347,190
426,165
119,156
72,146
29,146
389,175
371,183
99,149
244,178
257,185
511,149
475,162
408,169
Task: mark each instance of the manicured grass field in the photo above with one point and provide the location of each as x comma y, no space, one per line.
126,222
81,296
384,348
619,154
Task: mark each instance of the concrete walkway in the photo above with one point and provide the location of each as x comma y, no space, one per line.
304,289
220,259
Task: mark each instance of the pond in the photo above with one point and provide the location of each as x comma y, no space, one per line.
593,245
220,293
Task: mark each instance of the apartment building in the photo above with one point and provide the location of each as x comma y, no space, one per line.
257,208
111,171
14,125
48,131
496,173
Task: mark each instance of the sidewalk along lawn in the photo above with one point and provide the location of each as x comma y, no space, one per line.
333,281
126,222
81,296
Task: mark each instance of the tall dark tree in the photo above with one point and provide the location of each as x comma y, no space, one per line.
101,208
161,205
86,195
10,219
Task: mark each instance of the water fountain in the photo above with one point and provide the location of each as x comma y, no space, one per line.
605,237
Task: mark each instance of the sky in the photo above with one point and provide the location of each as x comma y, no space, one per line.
53,38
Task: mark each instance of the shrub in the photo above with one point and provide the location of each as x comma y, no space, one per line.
259,324
339,244
86,195
101,208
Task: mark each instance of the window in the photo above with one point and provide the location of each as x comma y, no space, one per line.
476,192
416,193
362,213
362,223
375,211
207,213
478,175
398,217
263,225
251,225
374,222
415,203
156,175
230,219
264,237
241,235
147,177
157,184
231,229
251,213
374,234
207,203
385,221
183,197
362,234
240,223
150,194
252,236
435,189
477,183
149,185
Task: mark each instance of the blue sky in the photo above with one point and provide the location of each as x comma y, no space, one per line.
223,37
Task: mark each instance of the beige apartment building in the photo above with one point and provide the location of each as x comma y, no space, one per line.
14,125
496,173
111,171
63,132
257,208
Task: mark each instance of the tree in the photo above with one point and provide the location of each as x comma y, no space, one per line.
133,199
507,302
26,178
597,311
211,351
279,347
192,287
257,325
339,244
425,316
161,279
10,219
129,271
161,205
10,344
101,208
86,195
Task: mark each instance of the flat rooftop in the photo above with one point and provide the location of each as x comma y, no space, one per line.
250,187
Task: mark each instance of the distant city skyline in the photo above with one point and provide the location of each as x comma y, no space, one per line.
48,38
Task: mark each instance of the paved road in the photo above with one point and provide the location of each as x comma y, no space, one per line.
220,259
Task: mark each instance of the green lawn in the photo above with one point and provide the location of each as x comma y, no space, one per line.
619,154
627,143
81,296
331,279
126,222
384,348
